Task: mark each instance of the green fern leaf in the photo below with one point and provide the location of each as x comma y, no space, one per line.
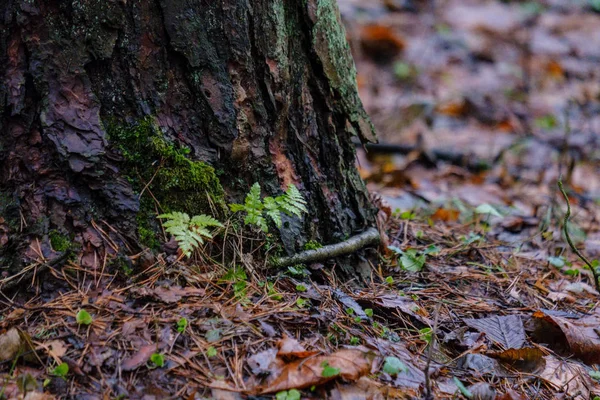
205,220
273,211
294,198
252,201
189,233
237,207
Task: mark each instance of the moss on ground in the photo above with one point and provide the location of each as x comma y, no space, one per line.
163,173
59,241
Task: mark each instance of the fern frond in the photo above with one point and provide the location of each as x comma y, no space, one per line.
175,218
294,198
252,201
237,207
189,233
272,210
205,220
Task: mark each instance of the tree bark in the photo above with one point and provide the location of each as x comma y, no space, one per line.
114,110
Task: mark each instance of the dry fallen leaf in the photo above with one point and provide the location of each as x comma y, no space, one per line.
364,388
140,358
57,348
10,344
569,377
173,294
290,347
352,364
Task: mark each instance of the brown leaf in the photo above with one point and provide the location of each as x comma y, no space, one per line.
444,214
57,348
140,358
174,293
363,389
352,363
581,335
511,395
290,347
528,359
570,377
10,344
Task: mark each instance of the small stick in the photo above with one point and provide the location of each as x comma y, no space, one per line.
566,230
351,245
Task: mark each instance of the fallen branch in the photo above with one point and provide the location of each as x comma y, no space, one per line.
351,245
568,237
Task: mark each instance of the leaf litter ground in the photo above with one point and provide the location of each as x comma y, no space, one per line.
474,293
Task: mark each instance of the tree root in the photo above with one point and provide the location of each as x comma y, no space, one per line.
351,245
568,237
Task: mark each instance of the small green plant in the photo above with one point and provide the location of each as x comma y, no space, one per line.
291,394
328,370
411,259
182,324
290,203
546,122
426,334
301,288
83,317
354,341
393,366
61,370
300,302
189,232
369,312
157,360
239,279
211,352
298,270
389,280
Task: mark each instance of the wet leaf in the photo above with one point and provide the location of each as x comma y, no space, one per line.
579,335
507,331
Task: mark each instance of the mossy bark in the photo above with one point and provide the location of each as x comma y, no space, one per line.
112,110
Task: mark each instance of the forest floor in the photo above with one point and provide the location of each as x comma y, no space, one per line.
480,106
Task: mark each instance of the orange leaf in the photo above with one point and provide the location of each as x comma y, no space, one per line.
352,363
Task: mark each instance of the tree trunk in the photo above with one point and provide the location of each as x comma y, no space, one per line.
114,110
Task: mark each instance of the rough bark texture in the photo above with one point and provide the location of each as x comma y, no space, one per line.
114,109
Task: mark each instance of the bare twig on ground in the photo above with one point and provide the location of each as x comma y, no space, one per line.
351,245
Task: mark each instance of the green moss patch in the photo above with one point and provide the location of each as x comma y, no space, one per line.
58,241
163,171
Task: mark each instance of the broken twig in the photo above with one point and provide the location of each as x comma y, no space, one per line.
351,245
